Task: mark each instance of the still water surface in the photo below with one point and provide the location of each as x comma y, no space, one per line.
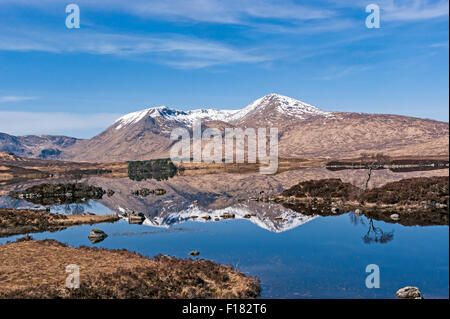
322,257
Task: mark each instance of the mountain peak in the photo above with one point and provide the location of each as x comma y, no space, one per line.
281,104
135,117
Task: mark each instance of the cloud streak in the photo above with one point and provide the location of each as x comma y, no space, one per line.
211,11
247,11
414,10
175,50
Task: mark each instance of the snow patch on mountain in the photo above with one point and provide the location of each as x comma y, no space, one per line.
185,117
131,118
190,117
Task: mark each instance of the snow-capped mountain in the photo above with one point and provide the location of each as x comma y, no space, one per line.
272,105
279,105
146,134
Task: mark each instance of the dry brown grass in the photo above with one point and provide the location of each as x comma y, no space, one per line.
37,269
22,221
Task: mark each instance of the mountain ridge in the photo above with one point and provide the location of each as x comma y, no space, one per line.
304,130
287,105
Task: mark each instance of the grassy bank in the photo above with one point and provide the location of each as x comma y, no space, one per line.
37,269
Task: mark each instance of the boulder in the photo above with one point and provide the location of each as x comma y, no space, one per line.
409,293
228,216
135,219
97,235
194,253
395,217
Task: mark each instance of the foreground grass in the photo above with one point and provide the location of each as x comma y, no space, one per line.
37,269
24,221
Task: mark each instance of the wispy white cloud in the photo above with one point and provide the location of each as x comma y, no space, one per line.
309,27
22,123
408,10
264,18
14,98
175,50
215,11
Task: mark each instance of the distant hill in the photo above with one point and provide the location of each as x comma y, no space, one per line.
37,146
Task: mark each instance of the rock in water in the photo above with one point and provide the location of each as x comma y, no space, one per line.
97,235
409,293
194,253
136,218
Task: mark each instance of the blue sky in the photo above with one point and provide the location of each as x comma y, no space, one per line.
129,55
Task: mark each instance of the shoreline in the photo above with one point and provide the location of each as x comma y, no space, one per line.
25,221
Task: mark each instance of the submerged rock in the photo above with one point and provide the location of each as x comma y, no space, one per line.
409,293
